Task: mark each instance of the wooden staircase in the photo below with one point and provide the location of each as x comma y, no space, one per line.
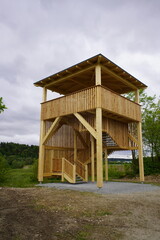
108,140
74,172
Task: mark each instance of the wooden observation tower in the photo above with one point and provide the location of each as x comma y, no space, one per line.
90,121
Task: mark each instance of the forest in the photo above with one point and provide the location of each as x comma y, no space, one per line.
18,155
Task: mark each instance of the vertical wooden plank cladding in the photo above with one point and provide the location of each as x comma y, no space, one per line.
117,130
120,105
76,102
88,99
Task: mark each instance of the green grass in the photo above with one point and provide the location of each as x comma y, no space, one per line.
23,177
19,178
116,171
82,236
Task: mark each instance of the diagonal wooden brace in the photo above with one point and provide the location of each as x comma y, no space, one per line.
52,129
86,125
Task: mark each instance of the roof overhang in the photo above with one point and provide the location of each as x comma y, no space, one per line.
82,75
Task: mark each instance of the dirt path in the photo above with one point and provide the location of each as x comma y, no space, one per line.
52,214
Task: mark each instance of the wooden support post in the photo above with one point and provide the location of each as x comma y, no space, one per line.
106,164
99,147
74,173
92,159
140,152
75,147
98,75
41,146
137,96
75,157
86,173
62,178
140,146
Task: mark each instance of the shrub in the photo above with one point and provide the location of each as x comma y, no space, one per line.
150,166
17,164
34,171
3,169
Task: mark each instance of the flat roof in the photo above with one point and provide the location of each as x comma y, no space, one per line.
82,75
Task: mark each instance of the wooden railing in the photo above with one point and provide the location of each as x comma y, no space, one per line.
81,170
76,102
115,103
89,99
68,171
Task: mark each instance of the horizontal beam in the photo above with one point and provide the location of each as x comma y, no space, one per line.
62,148
69,76
86,125
107,70
120,148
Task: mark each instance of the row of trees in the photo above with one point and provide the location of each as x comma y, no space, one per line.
18,155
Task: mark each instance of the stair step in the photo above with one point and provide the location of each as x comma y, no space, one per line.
107,140
79,179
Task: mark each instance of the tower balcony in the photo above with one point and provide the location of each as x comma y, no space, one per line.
87,100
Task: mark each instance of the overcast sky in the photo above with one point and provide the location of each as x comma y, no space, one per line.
41,37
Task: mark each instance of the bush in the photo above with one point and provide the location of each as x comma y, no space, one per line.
34,171
3,169
150,166
17,164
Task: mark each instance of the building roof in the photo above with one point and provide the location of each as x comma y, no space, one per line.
82,75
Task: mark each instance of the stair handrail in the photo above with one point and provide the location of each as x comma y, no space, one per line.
64,171
84,167
68,161
83,164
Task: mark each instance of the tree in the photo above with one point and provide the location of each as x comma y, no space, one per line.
151,128
2,106
150,122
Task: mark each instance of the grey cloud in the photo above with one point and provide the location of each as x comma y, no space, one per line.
39,38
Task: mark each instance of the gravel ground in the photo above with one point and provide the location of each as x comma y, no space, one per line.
108,187
49,213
